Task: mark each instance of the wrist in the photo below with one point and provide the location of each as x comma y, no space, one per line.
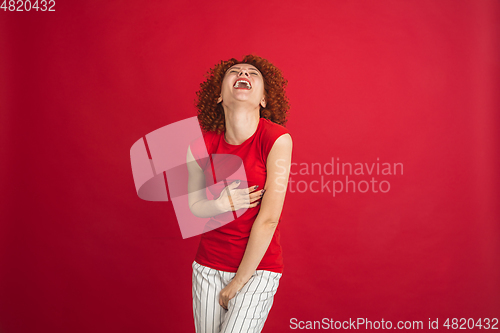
219,206
238,281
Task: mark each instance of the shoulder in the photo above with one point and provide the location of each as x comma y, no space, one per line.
203,144
272,130
274,135
271,127
284,141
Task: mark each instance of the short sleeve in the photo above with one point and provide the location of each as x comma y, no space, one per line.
200,148
272,133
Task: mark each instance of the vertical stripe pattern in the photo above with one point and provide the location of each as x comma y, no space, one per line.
247,311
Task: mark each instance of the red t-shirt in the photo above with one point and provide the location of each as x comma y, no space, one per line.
223,248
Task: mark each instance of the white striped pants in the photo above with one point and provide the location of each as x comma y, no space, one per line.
247,311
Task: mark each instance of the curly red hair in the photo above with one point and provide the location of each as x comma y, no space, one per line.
211,114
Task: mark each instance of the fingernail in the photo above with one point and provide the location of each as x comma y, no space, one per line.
256,186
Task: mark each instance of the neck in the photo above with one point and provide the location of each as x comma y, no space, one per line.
241,123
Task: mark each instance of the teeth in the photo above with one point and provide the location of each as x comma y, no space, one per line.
237,84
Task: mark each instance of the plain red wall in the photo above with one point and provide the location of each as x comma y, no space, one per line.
411,82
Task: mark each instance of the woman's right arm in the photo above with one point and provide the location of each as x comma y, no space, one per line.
230,199
199,205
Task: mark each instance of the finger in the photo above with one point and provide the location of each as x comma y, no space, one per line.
221,302
254,199
234,184
252,188
254,204
257,195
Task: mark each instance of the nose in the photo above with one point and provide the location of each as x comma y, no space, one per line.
243,71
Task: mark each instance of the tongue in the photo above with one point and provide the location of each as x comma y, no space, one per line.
242,85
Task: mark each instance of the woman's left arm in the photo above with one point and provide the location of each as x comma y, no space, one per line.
278,170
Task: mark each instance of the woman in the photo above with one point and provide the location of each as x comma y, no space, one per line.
242,109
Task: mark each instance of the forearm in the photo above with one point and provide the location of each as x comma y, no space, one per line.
206,208
258,243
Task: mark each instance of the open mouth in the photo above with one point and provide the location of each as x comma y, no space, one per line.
242,84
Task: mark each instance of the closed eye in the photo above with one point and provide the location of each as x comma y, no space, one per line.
235,71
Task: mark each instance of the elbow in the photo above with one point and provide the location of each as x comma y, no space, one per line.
269,223
193,210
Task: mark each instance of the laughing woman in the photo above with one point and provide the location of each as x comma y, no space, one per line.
242,108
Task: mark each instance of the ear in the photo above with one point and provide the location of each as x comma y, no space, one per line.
263,102
219,99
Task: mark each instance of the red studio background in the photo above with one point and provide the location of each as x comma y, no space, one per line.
413,83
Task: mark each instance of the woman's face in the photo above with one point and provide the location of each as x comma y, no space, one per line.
243,84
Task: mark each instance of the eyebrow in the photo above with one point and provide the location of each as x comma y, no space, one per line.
251,68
